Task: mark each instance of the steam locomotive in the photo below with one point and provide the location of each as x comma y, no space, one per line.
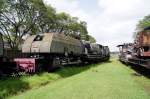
50,50
137,52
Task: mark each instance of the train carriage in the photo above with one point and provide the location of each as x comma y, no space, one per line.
138,52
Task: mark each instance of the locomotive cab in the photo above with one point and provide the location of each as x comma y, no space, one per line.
142,43
94,52
144,51
36,43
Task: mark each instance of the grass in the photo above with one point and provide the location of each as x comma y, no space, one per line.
14,86
110,80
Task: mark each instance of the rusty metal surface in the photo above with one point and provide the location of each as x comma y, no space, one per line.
142,43
146,54
27,65
143,39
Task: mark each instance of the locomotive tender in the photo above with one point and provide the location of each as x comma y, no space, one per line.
137,52
49,50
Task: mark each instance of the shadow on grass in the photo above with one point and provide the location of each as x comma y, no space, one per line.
11,86
70,70
140,70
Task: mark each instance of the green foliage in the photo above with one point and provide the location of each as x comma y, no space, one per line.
91,39
19,18
145,22
2,2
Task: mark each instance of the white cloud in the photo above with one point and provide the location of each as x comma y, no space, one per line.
70,6
112,23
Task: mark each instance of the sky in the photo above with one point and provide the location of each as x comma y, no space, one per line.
110,22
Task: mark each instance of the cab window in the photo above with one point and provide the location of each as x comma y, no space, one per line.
39,38
146,48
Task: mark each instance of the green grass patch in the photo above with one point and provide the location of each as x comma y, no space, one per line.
14,86
110,80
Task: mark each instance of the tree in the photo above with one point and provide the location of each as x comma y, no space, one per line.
145,22
19,18
62,22
72,26
2,3
91,39
47,16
